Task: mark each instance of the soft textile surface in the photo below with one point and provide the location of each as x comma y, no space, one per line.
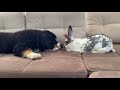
117,48
104,23
45,20
102,62
57,22
58,64
53,64
11,21
105,74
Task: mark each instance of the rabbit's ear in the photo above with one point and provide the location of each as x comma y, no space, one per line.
67,36
70,32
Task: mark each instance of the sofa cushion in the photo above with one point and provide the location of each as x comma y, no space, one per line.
57,22
10,63
117,48
104,22
59,64
105,74
45,20
11,21
102,62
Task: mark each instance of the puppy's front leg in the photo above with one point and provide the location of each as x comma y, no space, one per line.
23,50
31,55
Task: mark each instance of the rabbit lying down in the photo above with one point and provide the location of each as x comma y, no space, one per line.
93,44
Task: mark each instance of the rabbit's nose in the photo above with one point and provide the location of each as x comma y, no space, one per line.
62,45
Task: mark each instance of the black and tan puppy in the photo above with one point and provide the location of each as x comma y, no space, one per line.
24,43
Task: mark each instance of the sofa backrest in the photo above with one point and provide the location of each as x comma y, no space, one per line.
57,22
11,21
103,23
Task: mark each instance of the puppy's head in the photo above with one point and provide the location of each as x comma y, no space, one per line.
50,41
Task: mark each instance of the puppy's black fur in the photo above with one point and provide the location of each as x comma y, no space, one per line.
17,42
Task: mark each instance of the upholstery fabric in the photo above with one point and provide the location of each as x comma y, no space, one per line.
103,23
60,64
11,21
105,74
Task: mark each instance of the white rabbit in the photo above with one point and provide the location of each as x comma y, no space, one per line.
93,44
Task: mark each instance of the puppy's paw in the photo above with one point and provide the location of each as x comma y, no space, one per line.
34,56
55,49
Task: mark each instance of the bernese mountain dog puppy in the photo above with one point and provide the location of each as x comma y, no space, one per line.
25,43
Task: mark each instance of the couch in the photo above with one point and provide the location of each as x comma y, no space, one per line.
63,64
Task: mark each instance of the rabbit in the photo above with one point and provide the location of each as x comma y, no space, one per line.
94,44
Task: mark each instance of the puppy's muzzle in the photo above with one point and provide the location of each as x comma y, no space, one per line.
57,47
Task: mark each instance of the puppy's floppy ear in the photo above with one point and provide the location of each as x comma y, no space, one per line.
70,32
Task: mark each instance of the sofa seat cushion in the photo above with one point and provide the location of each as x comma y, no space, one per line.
53,64
57,64
102,62
105,74
117,48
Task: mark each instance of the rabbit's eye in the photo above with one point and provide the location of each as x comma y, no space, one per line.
68,42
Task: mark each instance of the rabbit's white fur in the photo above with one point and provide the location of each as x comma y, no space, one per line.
94,44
